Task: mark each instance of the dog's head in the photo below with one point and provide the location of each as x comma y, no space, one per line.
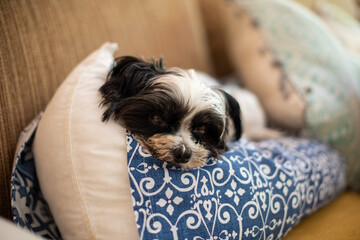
174,115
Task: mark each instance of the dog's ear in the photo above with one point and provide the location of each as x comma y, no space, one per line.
233,110
128,77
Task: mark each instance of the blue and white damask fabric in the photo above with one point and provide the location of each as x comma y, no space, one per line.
255,191
30,209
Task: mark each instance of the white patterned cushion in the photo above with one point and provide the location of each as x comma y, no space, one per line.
319,67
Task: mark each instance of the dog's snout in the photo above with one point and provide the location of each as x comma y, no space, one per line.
182,154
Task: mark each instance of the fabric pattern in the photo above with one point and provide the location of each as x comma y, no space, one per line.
320,69
255,191
30,209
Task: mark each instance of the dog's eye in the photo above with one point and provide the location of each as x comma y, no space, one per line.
201,129
157,119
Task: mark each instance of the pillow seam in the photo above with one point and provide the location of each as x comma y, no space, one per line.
70,153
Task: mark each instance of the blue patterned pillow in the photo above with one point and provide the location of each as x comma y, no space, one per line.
256,190
30,209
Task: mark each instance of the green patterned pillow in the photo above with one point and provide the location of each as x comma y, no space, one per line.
321,70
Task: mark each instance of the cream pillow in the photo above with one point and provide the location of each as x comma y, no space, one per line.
80,162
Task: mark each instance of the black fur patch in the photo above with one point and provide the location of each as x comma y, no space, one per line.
207,127
233,110
128,77
138,112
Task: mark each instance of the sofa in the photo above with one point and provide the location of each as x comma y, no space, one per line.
42,41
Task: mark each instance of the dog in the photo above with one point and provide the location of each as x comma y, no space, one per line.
179,116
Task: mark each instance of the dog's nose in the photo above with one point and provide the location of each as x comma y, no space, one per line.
182,154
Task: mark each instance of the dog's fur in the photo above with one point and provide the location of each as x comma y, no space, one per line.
172,113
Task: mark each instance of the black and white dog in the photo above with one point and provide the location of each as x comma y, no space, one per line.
174,115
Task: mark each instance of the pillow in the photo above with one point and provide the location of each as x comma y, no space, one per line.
80,161
29,208
319,68
254,191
